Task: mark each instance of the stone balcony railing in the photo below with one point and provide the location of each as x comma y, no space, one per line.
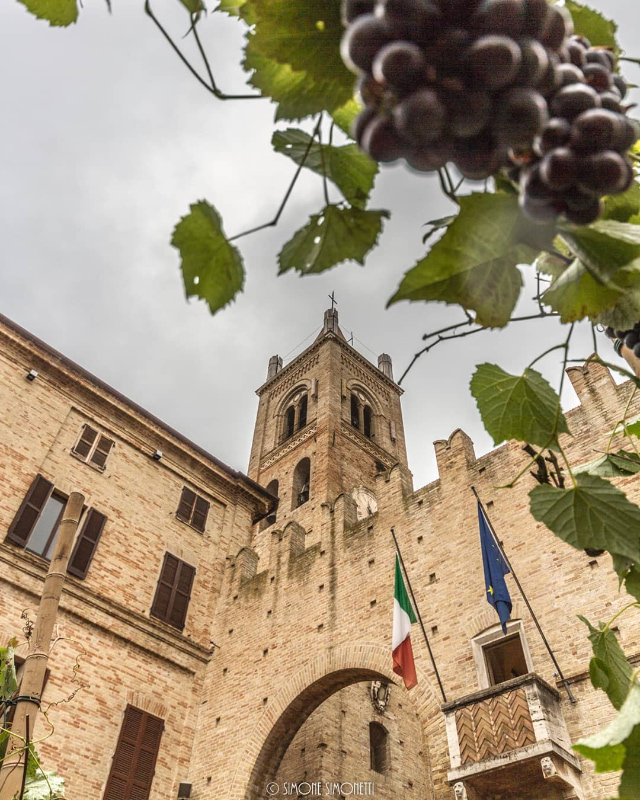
511,740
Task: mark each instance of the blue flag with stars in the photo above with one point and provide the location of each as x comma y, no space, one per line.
495,568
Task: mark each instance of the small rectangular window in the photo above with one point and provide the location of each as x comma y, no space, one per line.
505,659
193,509
173,591
36,525
93,447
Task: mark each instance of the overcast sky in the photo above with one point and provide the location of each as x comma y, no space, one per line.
106,140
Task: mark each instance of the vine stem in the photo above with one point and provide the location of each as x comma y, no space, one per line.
287,194
213,89
623,420
620,613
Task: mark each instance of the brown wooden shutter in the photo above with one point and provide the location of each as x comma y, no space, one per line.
135,758
173,592
187,501
86,442
86,544
164,591
31,508
181,595
199,519
101,453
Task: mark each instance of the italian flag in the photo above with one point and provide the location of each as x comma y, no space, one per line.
403,616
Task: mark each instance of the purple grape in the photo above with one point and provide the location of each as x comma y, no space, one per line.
621,85
421,117
468,112
558,25
400,65
520,116
351,9
586,215
361,42
535,17
411,20
430,157
559,169
569,74
596,129
573,100
500,17
555,133
361,122
598,77
493,62
381,141
535,62
604,173
577,54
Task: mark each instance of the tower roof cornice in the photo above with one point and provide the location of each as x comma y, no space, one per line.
323,338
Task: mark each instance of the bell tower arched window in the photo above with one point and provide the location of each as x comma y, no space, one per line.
378,747
272,488
301,479
290,422
366,421
355,411
302,412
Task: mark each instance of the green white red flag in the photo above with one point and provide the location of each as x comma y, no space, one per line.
403,617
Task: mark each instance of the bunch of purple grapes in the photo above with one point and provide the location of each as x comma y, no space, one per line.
631,338
579,156
453,80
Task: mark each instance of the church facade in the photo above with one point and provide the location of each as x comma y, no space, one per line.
229,635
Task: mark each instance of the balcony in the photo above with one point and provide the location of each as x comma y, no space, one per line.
511,740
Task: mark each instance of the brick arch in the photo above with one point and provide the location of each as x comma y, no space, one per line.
302,693
487,618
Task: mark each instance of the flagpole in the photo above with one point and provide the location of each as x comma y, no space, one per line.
415,605
563,680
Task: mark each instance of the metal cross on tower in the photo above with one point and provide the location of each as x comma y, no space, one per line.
334,302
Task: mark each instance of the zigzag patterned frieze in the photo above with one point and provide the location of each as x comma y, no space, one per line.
291,444
494,726
363,442
363,376
290,381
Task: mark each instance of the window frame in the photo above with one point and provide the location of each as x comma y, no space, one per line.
60,497
93,448
166,616
194,506
379,755
492,636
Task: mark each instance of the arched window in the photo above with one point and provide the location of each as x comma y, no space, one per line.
302,413
290,422
378,747
272,488
355,411
366,425
300,488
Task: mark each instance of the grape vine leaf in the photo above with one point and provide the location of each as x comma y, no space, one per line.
610,657
608,747
306,36
334,235
58,13
632,582
522,407
196,6
345,115
347,166
599,674
611,465
592,514
622,207
8,679
212,268
604,246
474,264
599,30
295,92
576,294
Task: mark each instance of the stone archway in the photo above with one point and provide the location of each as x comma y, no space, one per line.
301,696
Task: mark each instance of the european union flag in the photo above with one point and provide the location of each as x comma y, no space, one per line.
495,568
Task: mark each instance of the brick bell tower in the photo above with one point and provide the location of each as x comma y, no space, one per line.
327,423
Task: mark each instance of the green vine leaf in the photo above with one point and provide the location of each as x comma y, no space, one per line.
8,679
474,264
346,114
197,6
58,13
305,36
632,582
612,465
296,93
592,514
599,674
610,747
605,246
212,268
348,167
523,407
599,30
622,207
610,658
576,294
334,235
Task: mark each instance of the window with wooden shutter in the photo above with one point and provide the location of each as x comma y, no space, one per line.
86,544
193,509
173,592
135,757
30,511
93,447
